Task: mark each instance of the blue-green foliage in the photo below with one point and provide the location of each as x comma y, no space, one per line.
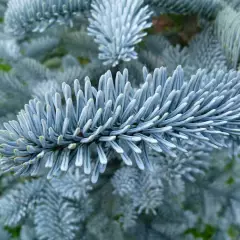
20,201
37,201
9,50
24,16
124,24
226,25
38,48
74,185
116,117
205,51
119,141
55,213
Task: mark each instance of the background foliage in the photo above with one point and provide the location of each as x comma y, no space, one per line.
130,150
